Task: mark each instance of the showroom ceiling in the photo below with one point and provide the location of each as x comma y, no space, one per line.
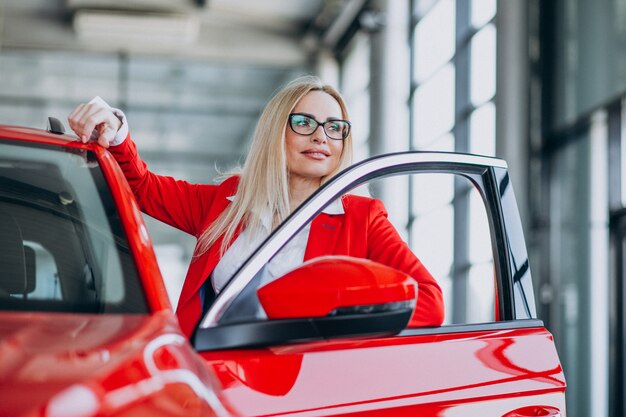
190,72
268,31
192,75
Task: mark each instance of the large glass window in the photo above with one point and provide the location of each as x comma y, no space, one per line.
355,87
452,109
483,65
434,109
434,39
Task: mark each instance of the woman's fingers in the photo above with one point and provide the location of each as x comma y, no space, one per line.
93,116
80,121
74,119
105,134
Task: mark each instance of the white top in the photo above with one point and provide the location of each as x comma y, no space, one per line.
288,258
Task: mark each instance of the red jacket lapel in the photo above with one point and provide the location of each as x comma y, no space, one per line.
325,230
201,268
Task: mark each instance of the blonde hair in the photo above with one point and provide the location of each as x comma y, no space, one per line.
264,178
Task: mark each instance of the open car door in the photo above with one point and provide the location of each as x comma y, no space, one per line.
331,337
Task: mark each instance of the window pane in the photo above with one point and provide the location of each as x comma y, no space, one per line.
434,39
355,86
359,106
479,236
483,130
58,75
433,238
431,192
444,143
434,108
481,294
482,12
355,67
422,7
448,300
483,65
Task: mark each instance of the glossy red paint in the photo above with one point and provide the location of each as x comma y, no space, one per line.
325,284
57,364
535,411
96,365
41,136
141,365
449,375
136,232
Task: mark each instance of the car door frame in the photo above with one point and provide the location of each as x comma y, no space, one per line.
489,176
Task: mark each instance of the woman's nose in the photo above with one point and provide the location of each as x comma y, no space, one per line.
318,134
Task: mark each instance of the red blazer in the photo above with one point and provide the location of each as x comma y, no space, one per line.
362,231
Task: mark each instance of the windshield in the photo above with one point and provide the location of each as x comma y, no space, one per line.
62,247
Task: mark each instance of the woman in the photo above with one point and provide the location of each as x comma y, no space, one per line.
301,140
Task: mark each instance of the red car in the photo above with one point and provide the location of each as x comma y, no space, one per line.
87,329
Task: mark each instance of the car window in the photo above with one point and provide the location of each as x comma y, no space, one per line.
442,218
63,244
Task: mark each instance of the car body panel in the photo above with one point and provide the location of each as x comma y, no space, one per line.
429,375
141,364
109,364
52,360
136,231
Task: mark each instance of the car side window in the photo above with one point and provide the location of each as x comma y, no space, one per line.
443,220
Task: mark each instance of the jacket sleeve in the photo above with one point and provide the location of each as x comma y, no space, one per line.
387,247
175,202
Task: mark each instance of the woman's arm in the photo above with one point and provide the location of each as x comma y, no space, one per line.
175,202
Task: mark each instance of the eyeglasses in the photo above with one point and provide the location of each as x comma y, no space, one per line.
304,124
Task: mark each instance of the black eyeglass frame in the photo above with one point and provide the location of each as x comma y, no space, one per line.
323,124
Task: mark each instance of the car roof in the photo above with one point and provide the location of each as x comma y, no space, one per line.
42,136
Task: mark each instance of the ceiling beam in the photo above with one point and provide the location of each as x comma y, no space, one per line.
220,42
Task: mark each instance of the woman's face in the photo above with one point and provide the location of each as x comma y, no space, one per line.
312,157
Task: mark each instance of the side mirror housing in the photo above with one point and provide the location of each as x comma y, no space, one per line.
327,297
335,286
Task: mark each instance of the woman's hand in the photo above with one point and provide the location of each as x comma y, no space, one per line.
94,120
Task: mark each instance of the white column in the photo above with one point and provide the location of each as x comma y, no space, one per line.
390,82
599,265
512,95
389,93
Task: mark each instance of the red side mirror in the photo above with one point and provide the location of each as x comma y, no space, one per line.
337,285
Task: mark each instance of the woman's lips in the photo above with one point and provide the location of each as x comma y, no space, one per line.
318,155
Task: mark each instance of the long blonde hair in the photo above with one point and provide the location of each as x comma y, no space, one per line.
264,178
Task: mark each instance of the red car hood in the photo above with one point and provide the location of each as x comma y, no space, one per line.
53,363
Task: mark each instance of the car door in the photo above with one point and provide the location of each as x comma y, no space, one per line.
491,356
